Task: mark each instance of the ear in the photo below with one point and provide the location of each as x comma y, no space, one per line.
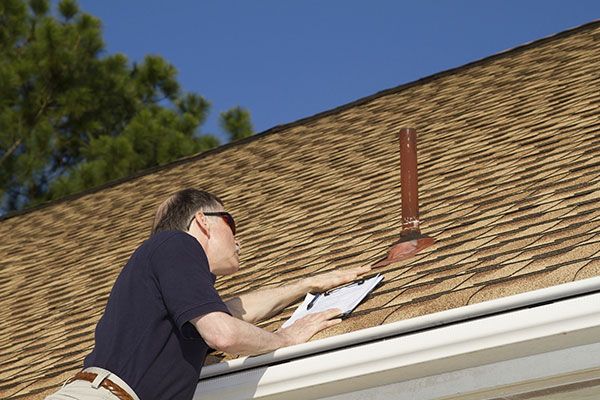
202,222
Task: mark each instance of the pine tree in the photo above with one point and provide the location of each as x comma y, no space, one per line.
237,123
72,117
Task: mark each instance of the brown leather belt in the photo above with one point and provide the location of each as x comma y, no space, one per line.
106,384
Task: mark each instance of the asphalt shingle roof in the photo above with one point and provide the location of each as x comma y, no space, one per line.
509,175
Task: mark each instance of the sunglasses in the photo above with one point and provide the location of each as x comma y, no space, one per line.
228,218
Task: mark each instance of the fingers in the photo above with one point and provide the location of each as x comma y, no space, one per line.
327,318
324,315
336,278
305,328
331,322
353,273
324,319
357,271
362,270
333,312
321,317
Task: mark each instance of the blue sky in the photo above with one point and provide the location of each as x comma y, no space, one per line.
285,60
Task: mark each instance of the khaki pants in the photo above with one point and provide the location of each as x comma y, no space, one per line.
84,390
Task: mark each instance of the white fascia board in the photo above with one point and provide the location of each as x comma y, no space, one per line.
520,378
471,344
431,352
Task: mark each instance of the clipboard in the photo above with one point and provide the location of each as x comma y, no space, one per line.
346,298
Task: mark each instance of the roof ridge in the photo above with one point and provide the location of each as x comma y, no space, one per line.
278,128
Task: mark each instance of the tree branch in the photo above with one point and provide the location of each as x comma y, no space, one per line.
11,150
20,140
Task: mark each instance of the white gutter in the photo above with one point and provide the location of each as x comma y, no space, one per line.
502,305
549,323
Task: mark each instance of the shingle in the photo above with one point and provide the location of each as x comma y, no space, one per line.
428,305
589,270
527,282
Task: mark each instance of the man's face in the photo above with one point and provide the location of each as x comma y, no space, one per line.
222,249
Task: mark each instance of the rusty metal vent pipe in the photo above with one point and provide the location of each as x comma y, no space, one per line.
411,239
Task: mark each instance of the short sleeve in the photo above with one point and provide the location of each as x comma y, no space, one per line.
184,279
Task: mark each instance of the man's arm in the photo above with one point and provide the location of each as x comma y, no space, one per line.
233,336
259,305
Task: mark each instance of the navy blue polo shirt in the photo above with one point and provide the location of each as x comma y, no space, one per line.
145,336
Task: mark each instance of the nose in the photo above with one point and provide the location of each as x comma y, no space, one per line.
238,247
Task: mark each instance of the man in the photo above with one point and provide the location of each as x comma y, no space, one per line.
164,314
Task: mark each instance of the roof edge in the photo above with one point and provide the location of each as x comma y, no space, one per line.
278,128
547,329
490,308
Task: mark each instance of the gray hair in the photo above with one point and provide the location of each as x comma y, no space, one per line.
175,213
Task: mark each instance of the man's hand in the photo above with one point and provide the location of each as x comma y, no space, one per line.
257,306
322,282
231,335
305,328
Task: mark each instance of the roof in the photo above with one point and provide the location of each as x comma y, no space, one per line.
509,186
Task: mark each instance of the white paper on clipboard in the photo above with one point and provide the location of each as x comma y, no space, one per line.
346,298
